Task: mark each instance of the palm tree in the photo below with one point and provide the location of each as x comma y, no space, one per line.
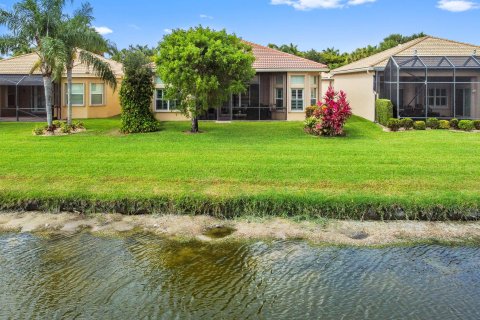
80,40
35,24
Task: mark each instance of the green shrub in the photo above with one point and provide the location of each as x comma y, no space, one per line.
476,124
309,124
39,131
444,124
466,125
57,124
432,123
419,125
393,124
66,128
77,125
406,123
454,123
310,110
136,95
384,110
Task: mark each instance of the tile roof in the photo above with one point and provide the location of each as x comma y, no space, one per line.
23,65
425,46
273,60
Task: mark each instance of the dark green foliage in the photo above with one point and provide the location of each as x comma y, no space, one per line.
406,123
444,124
136,95
476,124
466,125
419,125
310,110
454,123
393,124
384,110
38,131
432,123
78,125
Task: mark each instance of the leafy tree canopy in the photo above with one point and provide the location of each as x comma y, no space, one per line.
202,67
119,55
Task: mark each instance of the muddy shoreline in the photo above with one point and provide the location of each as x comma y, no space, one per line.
336,232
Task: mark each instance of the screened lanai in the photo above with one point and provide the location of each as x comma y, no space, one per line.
432,86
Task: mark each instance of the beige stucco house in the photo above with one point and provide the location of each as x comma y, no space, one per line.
281,90
22,94
426,77
283,87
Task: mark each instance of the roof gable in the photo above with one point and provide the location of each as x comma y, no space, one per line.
426,46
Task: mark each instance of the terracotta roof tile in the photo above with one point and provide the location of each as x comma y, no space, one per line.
270,59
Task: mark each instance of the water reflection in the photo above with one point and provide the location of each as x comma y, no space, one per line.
145,276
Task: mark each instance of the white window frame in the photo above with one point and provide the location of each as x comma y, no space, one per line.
438,96
294,97
103,94
171,104
313,96
83,94
277,99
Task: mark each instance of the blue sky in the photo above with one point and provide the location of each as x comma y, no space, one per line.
318,24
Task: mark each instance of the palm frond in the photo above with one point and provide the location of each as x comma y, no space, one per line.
100,67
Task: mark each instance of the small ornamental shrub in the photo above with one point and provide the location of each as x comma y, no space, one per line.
39,131
419,125
333,114
454,123
66,128
406,123
384,110
310,110
57,124
476,124
310,124
393,124
466,125
432,123
444,124
78,125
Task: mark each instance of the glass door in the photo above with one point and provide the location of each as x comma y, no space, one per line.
463,103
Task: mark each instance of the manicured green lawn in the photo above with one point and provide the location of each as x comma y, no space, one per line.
265,159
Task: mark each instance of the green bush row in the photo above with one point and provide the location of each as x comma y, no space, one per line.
432,123
256,205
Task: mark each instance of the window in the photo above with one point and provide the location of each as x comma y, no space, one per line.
437,98
298,80
297,99
161,104
313,80
279,98
279,80
77,96
96,94
313,96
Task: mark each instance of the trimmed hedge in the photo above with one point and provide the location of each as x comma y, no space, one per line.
394,124
384,111
258,205
432,123
476,124
444,124
406,123
466,125
419,125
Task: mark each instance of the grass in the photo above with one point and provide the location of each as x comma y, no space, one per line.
266,168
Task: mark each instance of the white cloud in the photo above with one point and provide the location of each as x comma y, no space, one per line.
134,26
167,31
320,4
457,5
205,16
103,30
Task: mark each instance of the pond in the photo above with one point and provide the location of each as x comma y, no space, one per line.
143,276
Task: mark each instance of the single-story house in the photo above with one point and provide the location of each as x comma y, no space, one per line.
22,95
426,77
281,90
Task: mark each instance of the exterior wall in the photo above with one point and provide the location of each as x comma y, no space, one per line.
294,115
359,90
326,83
110,107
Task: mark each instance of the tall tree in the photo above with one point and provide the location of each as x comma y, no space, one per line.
119,55
80,42
35,24
202,67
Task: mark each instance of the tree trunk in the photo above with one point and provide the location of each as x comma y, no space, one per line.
48,85
69,95
195,124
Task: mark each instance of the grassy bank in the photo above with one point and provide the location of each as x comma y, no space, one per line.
235,169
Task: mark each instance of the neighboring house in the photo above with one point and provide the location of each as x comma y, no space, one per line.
281,90
22,95
426,77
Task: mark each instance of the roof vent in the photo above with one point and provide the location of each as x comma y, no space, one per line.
415,52
474,52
